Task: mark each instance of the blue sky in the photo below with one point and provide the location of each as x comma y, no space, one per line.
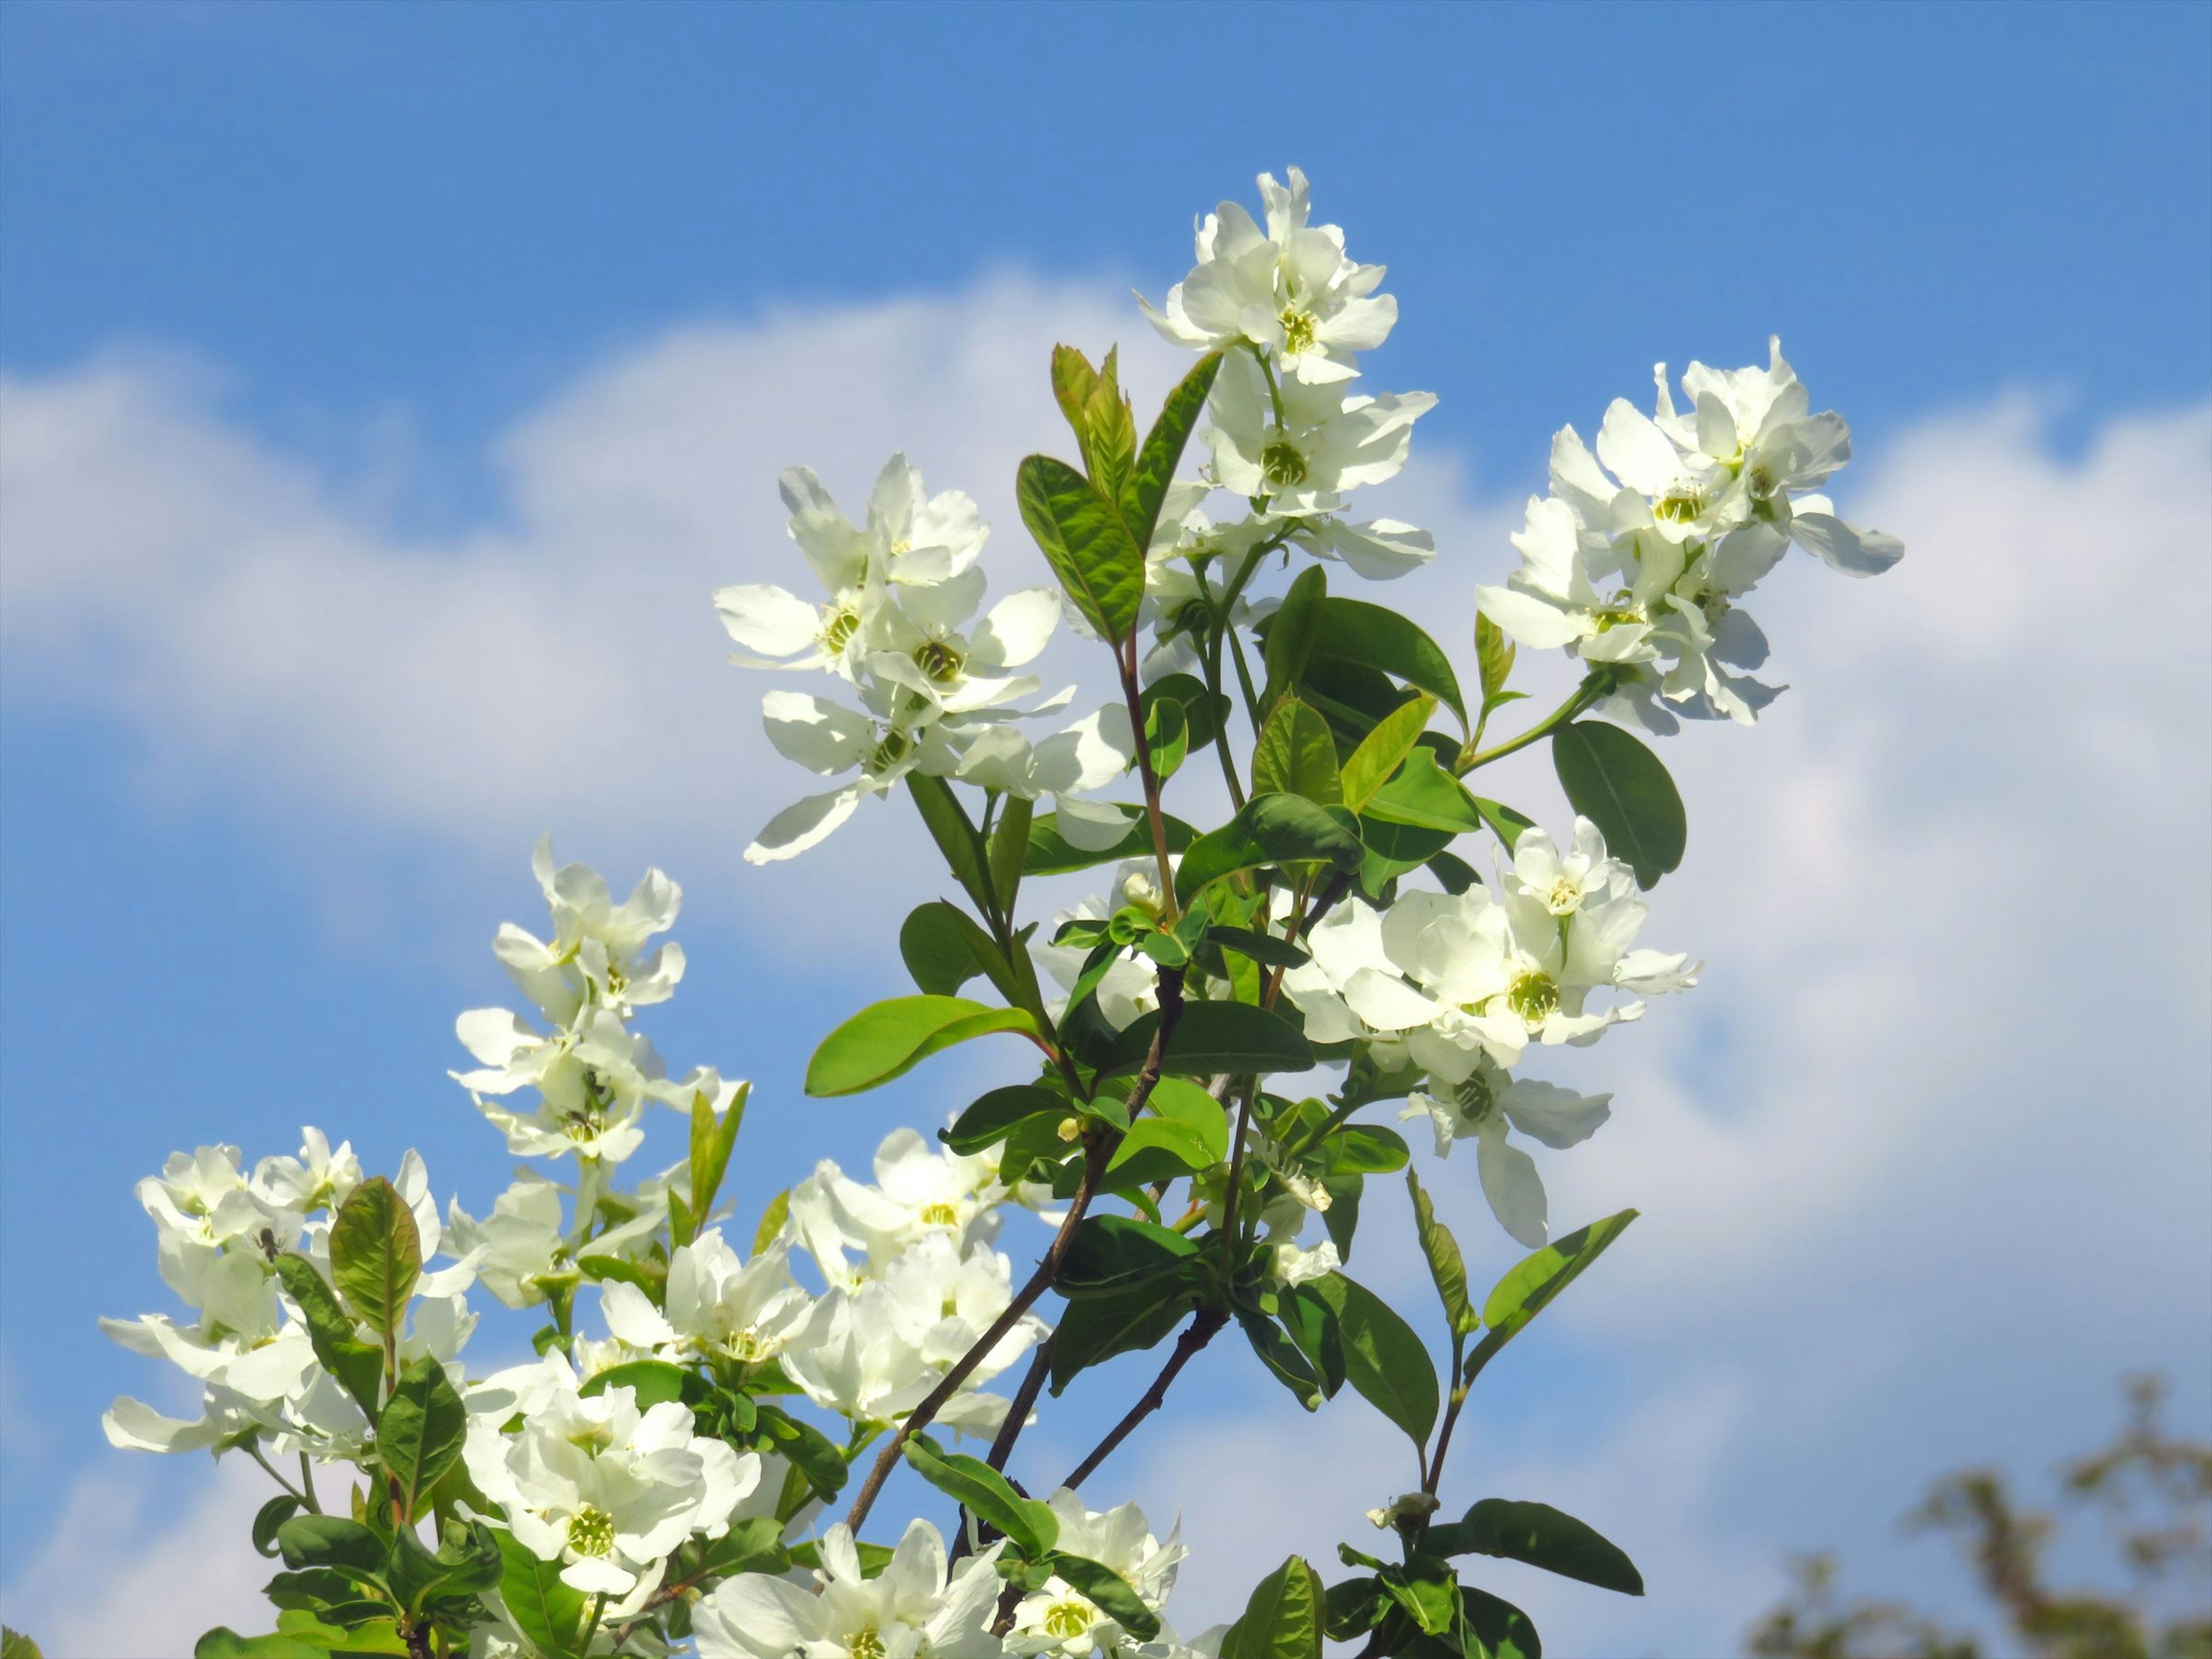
427,286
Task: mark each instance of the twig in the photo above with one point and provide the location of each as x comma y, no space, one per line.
1195,1336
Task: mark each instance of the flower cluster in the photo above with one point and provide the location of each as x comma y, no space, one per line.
937,692
1646,575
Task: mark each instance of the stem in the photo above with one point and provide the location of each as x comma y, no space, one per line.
1235,1177
1210,659
1152,781
1434,1472
307,1485
591,1625
1094,1166
1195,1336
254,1452
1017,1413
1592,688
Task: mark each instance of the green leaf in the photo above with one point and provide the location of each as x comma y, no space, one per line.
888,1039
1292,633
267,1519
376,1255
1366,1149
1504,823
542,1608
1202,711
419,1435
1282,1619
1311,1324
1052,854
1282,1358
1529,1287
1383,749
329,1541
1424,796
954,834
1383,1359
1086,542
1259,947
1108,431
1619,786
1109,1593
1212,1039
944,948
1447,1266
653,1381
1110,1253
991,1117
1094,1328
1162,452
985,1493
1367,635
1009,846
817,1455
1156,1150
1494,655
771,1222
1296,755
1270,829
224,1642
14,1644
1517,1530
1453,873
1341,1218
358,1367
1433,1602
1192,1108
1354,1607
1493,1628
1072,379
712,1137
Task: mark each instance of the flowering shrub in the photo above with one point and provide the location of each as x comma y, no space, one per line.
1205,1060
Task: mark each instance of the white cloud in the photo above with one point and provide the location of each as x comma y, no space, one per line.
1924,1164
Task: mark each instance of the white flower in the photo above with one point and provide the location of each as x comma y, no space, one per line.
1302,459
604,1488
1289,290
1483,1104
717,1305
913,1609
830,739
919,1192
593,1078
1059,1618
916,642
597,953
1068,766
319,1179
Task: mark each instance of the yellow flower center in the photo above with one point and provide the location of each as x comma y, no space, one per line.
939,1214
841,624
1066,1618
1564,897
939,663
1298,330
1282,465
864,1645
1680,505
590,1531
1535,998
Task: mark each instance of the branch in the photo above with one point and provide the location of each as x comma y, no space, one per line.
1195,1336
1094,1165
1594,686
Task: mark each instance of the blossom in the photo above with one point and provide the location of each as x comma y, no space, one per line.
1483,1104
319,1179
1059,1618
1289,290
597,953
915,1608
604,1488
1303,448
1068,766
717,1305
918,1192
593,1078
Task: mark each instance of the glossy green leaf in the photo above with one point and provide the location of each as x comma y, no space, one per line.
1166,736
1354,631
1296,755
358,1366
1264,948
1008,848
1111,1253
1504,823
1109,1593
1293,631
1050,854
1366,1149
771,1222
1213,1039
1492,1628
329,1541
1424,795
991,1117
1154,1150
1282,1358
714,1135
888,1039
1517,1530
1384,1358
419,1435
376,1255
1108,432
955,833
1383,749
1493,654
1192,1108
1529,1287
1447,1266
224,1642
1203,712
1072,379
1277,830
1282,1619
985,1494
267,1518
1086,542
654,1382
944,948
1094,1328
1620,786
545,1610
1163,449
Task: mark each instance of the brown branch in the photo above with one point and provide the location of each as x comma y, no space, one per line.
1195,1336
1096,1153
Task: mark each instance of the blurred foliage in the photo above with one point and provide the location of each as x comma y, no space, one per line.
2154,1496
